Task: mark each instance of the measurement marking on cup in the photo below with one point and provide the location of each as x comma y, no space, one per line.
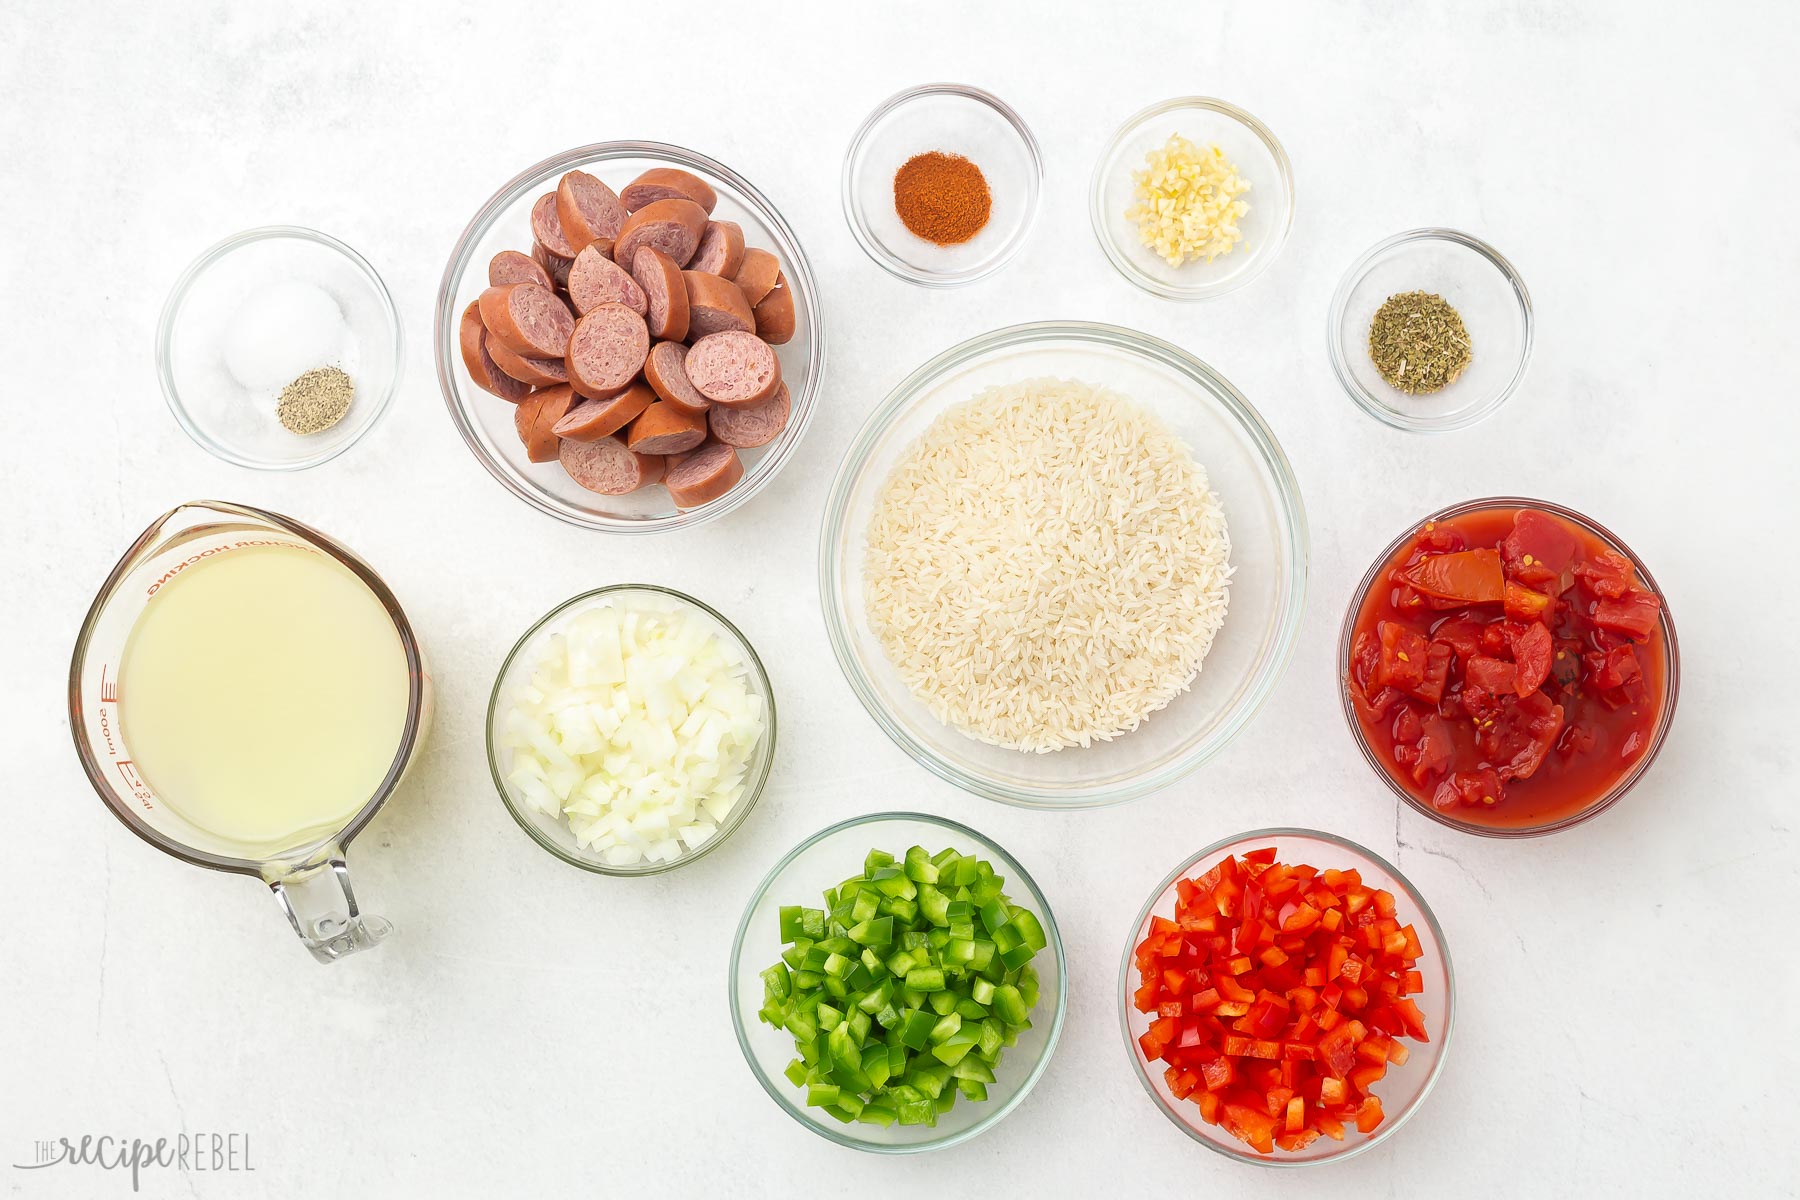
109,689
140,791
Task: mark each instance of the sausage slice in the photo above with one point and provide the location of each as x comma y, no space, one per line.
666,372
588,211
715,305
667,183
666,429
509,266
704,476
546,227
661,280
672,226
595,279
531,320
749,427
774,314
721,249
607,467
758,274
555,265
606,351
538,372
592,420
733,368
472,339
536,419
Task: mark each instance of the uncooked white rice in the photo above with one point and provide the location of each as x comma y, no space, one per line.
1047,565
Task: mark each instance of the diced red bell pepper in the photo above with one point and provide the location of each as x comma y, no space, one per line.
1369,1116
1250,1125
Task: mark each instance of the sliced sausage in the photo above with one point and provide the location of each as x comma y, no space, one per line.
715,305
555,265
536,419
596,279
538,372
531,320
666,373
758,274
666,429
509,266
774,314
672,226
472,338
546,227
606,351
661,280
592,420
667,183
703,476
607,467
721,249
748,427
588,211
733,368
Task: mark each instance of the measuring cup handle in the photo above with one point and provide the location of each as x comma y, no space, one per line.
321,906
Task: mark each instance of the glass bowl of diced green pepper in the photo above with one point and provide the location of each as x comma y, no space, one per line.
897,983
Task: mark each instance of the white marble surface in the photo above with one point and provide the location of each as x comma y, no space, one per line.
1627,1002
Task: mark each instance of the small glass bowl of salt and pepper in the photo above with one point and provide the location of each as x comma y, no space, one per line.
278,348
1430,330
941,184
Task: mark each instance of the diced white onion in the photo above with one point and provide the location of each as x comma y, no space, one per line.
638,728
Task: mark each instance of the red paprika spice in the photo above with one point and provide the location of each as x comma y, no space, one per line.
942,198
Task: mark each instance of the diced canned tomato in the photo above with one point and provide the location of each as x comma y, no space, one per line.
1509,665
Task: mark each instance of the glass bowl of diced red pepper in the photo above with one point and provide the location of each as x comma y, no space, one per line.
1286,998
1509,667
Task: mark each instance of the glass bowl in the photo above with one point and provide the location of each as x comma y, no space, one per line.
1483,287
236,422
554,834
954,119
823,860
1600,803
1401,1090
1259,158
1263,509
486,422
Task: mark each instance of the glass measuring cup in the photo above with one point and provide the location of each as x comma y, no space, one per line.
309,877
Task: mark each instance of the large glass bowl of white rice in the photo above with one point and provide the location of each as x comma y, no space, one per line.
1063,564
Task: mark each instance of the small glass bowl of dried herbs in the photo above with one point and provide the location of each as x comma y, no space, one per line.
1430,330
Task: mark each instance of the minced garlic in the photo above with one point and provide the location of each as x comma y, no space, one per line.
1187,204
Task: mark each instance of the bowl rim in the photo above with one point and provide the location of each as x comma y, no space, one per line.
1289,502
796,266
1671,669
1284,174
872,246
1000,1110
1230,844
753,788
1373,404
176,301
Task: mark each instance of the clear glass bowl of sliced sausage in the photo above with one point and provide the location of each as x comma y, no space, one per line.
554,431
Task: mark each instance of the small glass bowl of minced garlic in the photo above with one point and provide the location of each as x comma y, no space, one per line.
1430,330
1192,198
278,348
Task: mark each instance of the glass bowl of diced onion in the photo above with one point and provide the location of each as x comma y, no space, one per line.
1247,150
630,730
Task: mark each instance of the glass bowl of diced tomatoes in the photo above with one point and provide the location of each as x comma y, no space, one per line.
1509,667
1287,998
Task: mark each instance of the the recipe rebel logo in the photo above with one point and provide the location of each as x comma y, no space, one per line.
189,1153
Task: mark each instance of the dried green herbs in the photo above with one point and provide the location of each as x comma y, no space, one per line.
1418,342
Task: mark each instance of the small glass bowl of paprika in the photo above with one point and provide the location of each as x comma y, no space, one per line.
941,184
